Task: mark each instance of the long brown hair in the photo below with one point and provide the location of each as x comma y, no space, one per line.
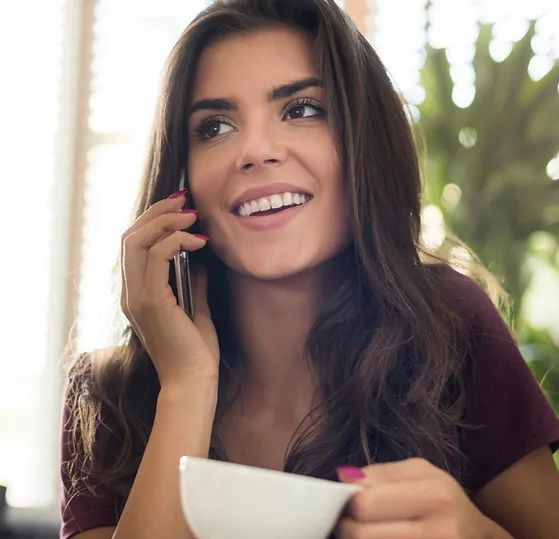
389,351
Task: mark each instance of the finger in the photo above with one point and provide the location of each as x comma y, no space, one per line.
401,470
403,500
149,234
349,528
167,205
156,278
137,245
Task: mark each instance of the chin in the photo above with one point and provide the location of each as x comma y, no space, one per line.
268,270
276,267
276,262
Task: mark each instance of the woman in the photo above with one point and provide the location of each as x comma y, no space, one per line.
322,339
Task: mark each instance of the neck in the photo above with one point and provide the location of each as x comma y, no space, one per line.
272,319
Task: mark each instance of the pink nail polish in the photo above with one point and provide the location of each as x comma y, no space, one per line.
202,236
351,472
178,193
188,211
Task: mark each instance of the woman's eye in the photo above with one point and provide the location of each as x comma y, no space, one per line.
302,106
210,128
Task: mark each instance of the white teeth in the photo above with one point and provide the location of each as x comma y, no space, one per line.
276,201
264,204
272,202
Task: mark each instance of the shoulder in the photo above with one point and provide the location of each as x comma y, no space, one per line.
96,357
469,299
494,344
79,375
461,287
80,390
81,366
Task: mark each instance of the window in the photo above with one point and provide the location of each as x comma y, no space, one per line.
34,185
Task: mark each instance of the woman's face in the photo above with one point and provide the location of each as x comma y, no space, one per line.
259,142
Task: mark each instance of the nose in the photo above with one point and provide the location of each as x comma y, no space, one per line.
260,149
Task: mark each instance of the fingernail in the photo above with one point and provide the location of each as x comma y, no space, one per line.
178,193
351,472
188,211
202,236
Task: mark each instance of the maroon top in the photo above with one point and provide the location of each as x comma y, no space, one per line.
506,399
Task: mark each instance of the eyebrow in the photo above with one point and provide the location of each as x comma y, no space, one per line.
279,92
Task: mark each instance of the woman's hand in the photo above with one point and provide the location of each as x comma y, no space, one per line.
409,499
179,348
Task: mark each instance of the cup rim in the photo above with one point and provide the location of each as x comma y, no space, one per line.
255,470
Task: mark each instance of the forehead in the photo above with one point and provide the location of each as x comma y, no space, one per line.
251,63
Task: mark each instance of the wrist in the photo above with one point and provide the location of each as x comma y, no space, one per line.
189,376
200,387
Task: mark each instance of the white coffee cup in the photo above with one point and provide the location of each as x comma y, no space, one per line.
224,500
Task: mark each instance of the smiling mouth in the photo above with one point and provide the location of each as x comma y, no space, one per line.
261,213
273,218
273,210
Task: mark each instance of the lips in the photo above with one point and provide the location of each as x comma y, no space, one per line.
266,190
272,221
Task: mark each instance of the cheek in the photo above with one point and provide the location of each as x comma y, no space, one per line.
336,215
326,167
324,161
204,181
337,222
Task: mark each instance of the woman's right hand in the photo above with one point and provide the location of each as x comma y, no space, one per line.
179,348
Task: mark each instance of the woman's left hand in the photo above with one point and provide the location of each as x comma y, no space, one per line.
411,499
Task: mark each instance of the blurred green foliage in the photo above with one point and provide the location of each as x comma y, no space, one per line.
494,155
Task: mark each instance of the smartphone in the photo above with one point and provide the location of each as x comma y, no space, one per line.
179,275
183,288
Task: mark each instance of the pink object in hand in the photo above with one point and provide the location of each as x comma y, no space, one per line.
351,472
178,193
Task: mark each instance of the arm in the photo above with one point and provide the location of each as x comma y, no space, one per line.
524,498
182,426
